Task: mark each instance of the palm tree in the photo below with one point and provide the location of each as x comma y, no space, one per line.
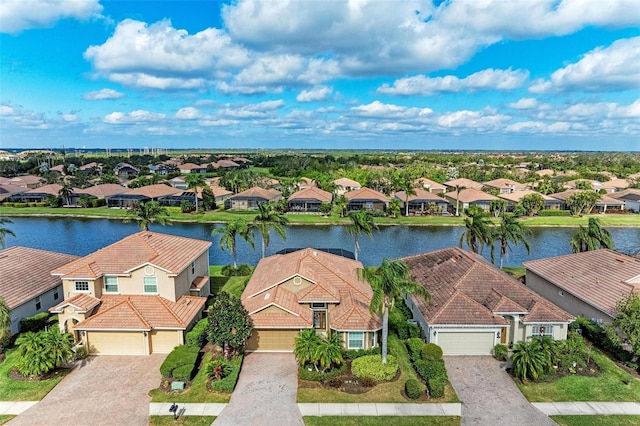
389,281
146,212
458,189
361,223
193,181
230,231
66,191
269,218
591,237
510,230
5,231
394,207
329,351
5,322
528,360
405,184
306,345
478,233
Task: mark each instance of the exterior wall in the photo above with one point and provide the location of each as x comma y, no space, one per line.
436,329
559,330
564,299
368,340
28,309
295,288
182,283
95,289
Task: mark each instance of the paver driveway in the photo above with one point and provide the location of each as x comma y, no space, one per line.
265,394
488,394
104,390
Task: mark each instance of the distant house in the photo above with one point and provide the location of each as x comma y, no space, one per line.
367,199
305,183
249,199
630,197
308,200
344,185
103,190
137,296
188,168
611,186
162,169
39,194
586,284
464,183
28,181
225,164
145,193
430,185
178,182
605,202
220,194
125,170
470,197
513,198
7,191
424,202
26,284
506,186
474,305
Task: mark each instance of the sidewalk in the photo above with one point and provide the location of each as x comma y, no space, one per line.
191,409
15,407
587,408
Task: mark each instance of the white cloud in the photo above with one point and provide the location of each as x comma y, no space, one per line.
188,113
603,69
6,110
524,103
103,94
314,95
478,120
489,79
380,110
135,117
69,117
19,15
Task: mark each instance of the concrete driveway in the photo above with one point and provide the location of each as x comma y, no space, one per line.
265,394
489,396
103,390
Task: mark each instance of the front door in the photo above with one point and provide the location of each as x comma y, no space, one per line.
320,320
503,336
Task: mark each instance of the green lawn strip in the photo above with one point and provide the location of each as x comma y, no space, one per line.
184,420
197,392
232,285
18,390
516,271
4,418
389,392
606,387
381,421
615,420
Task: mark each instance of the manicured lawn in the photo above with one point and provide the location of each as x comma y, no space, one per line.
381,421
4,418
607,387
17,390
183,421
197,392
232,285
384,392
596,420
515,271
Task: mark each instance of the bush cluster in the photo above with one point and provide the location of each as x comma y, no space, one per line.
431,369
180,363
431,352
240,271
197,336
227,384
35,323
436,387
415,345
604,337
413,388
357,353
500,352
319,376
372,366
554,213
398,321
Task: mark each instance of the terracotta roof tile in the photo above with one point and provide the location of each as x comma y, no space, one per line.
103,190
470,195
346,182
257,192
312,193
366,194
421,195
81,302
467,183
154,191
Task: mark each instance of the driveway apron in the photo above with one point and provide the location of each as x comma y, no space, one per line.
101,390
265,394
488,394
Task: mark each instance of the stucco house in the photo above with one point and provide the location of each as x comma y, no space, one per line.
344,185
514,198
308,200
305,289
506,186
470,197
249,199
586,284
423,202
366,198
144,193
26,283
630,197
137,296
430,185
474,305
463,183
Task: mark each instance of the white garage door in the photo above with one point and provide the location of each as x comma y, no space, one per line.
163,341
116,342
466,343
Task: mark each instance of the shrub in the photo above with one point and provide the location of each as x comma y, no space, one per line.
628,379
182,355
218,368
241,270
319,376
357,353
500,352
431,369
415,345
20,205
81,352
414,330
367,382
402,307
40,204
436,387
413,388
183,373
35,323
431,352
372,366
554,213
227,384
197,337
98,202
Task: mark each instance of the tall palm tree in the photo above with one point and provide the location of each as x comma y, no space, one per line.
458,189
5,321
146,212
5,231
269,218
361,223
591,237
478,232
193,181
66,191
510,230
389,281
230,231
405,183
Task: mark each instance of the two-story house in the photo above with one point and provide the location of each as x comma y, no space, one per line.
137,296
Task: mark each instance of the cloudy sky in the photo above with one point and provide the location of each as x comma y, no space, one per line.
374,74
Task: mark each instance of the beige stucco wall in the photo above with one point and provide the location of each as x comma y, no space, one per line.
559,331
28,309
368,339
290,286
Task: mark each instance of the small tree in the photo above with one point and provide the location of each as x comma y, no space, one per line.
306,347
329,351
532,204
628,320
528,360
146,212
43,351
229,323
497,207
591,237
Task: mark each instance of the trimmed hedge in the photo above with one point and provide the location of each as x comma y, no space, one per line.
183,373
197,336
35,323
240,271
415,345
413,388
227,384
319,376
357,353
372,366
436,387
183,357
431,352
554,213
431,369
500,352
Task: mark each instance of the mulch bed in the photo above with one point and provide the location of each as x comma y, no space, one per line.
15,375
349,383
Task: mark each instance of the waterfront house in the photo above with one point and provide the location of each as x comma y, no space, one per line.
424,202
630,197
249,199
366,198
144,193
308,200
470,197
344,185
513,199
307,289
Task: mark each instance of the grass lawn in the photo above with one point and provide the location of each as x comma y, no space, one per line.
16,390
4,418
384,392
197,392
596,420
232,285
607,387
186,420
381,421
515,271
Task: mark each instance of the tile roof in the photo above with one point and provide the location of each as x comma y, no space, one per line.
467,183
470,195
466,289
599,277
366,194
631,194
346,182
51,189
168,252
516,196
26,180
421,195
257,192
429,184
311,193
80,302
26,273
199,282
505,183
104,190
154,191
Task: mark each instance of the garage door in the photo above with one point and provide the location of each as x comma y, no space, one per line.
469,343
163,341
272,340
116,342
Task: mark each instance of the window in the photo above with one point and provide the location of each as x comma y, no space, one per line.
110,284
542,330
356,340
320,319
373,338
82,285
38,304
318,305
150,285
193,268
56,294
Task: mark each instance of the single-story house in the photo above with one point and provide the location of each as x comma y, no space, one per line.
144,193
249,199
27,181
125,170
470,197
630,197
220,194
344,185
474,305
506,186
26,283
308,200
605,202
424,202
103,190
366,198
430,185
40,194
586,284
513,198
463,183
188,168
137,296
8,191
306,289
178,182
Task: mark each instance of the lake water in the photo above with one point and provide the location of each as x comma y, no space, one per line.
83,236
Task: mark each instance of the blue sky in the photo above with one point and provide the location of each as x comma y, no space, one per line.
469,74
